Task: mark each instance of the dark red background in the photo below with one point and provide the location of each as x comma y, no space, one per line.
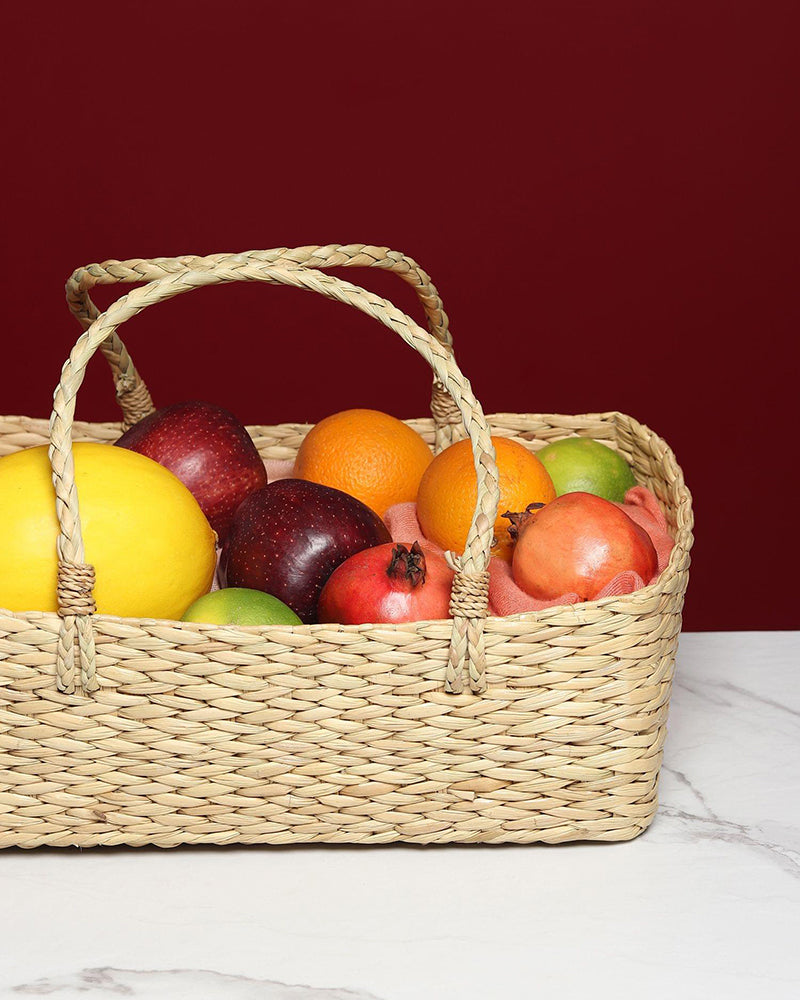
604,192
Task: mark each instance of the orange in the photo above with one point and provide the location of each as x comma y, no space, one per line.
449,489
372,456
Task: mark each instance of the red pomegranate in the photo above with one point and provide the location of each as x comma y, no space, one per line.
577,544
396,582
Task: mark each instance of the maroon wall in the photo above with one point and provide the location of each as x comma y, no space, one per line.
605,193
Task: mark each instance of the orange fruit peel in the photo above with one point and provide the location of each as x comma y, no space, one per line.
448,492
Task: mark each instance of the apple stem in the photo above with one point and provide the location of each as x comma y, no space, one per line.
408,565
520,519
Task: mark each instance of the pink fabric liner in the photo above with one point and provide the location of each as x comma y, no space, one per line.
505,597
279,468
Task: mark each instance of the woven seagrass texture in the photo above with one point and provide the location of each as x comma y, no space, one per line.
184,733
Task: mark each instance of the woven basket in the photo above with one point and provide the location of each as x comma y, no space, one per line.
538,727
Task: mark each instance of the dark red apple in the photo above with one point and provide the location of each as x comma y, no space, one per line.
577,544
287,538
396,582
210,452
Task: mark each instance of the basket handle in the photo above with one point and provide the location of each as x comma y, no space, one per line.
469,600
132,393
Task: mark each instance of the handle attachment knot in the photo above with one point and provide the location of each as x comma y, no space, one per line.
134,400
469,601
75,649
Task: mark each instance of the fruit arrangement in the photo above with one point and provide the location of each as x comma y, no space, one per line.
343,660
359,533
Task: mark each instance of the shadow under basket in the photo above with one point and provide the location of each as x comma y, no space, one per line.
203,734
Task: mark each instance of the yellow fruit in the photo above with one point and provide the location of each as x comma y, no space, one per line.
150,544
373,456
449,489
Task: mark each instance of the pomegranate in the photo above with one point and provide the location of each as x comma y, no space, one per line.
396,582
577,544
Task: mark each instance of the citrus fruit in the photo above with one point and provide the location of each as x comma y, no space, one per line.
240,606
150,544
372,456
582,465
448,491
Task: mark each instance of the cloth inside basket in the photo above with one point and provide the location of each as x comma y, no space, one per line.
505,597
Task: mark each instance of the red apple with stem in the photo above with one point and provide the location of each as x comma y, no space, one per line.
208,449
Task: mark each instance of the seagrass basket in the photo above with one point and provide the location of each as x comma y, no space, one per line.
537,727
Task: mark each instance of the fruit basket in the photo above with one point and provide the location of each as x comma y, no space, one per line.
547,726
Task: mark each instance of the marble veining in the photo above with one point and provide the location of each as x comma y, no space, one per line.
754,721
171,984
787,855
780,840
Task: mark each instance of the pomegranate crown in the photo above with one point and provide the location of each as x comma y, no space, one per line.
407,564
520,519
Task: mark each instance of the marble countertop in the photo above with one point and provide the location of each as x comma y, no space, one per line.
705,904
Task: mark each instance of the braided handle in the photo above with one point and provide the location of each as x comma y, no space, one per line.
132,393
75,647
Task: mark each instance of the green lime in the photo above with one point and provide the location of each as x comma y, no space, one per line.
581,465
240,606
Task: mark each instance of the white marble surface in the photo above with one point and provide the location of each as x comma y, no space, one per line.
705,904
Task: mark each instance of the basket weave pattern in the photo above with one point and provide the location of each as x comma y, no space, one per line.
209,734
